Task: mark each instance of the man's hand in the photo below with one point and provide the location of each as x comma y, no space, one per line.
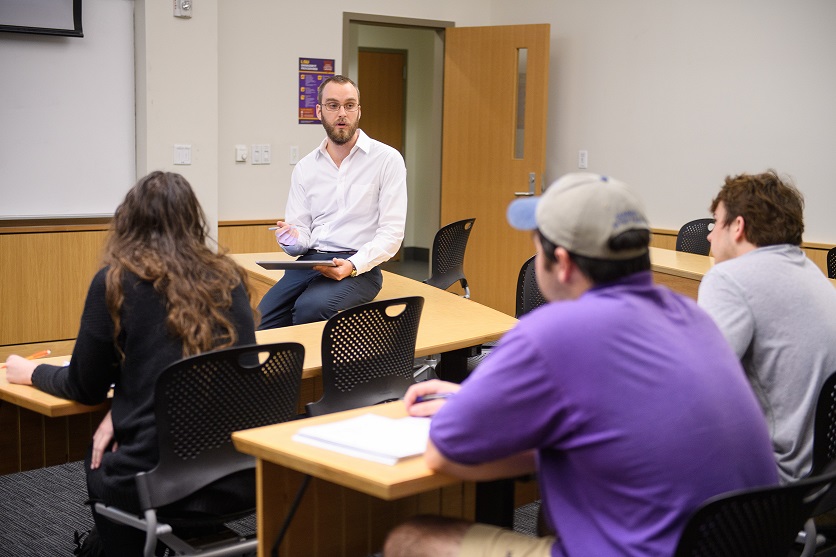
342,270
286,234
427,397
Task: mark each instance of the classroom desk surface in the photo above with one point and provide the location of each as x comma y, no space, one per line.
679,263
448,322
351,502
680,271
31,398
274,444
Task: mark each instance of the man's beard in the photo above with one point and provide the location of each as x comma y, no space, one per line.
340,136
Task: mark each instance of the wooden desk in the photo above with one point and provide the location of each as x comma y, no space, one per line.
680,271
31,398
448,321
351,503
38,429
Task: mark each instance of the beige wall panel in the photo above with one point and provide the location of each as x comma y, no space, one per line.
45,279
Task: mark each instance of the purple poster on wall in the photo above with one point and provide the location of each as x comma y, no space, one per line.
312,71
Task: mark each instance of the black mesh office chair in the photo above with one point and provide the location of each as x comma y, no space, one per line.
824,427
831,263
368,353
448,250
824,451
529,298
199,402
760,522
692,237
367,358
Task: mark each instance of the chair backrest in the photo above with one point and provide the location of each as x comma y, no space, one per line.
824,427
759,522
201,400
368,354
831,263
448,250
529,296
692,237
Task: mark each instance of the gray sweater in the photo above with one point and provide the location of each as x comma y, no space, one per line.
778,312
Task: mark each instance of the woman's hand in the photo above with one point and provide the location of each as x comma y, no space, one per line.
101,440
19,370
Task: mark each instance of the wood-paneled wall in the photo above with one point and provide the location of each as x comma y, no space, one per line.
45,269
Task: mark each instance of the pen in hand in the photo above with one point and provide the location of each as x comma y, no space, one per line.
288,235
35,356
435,396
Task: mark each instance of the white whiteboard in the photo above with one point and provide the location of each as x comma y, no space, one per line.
67,141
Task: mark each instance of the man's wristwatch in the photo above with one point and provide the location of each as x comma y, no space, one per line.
353,270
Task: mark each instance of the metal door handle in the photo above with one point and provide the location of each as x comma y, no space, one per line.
532,180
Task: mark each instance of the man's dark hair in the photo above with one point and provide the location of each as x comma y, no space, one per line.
772,208
341,79
601,271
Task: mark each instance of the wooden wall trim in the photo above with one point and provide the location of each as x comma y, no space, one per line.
258,222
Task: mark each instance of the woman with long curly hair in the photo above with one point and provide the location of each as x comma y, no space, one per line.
161,295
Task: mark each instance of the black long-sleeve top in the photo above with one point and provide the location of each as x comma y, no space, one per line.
96,365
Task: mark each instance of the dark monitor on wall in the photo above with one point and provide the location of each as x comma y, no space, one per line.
41,17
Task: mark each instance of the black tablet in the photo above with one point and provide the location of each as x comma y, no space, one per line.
293,264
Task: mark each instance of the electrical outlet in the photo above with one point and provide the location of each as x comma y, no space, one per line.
583,159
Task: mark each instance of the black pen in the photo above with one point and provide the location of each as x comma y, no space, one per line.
436,396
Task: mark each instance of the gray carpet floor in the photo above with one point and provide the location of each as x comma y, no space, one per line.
41,509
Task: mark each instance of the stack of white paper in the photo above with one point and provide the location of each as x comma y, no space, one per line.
372,437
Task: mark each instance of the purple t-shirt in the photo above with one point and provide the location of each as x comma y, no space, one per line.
637,406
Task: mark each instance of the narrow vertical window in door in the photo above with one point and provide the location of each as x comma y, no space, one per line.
519,128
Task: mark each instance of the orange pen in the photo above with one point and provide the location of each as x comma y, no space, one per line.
35,356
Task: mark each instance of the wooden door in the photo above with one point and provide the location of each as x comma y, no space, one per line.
486,159
381,79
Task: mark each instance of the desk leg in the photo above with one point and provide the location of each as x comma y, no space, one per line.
495,503
269,511
453,365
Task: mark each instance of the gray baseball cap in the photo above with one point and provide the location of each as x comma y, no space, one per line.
582,212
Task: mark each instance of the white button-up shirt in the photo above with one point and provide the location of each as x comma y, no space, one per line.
359,206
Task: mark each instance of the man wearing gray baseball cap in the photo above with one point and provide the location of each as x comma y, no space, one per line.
622,396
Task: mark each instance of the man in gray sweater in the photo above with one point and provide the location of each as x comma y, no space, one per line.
774,306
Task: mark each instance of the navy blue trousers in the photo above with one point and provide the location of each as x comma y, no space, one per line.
304,296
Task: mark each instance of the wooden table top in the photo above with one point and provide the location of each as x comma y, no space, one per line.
33,399
448,322
685,265
275,444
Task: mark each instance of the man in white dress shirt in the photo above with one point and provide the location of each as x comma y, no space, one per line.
347,204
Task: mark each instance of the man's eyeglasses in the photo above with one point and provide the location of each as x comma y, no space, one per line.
335,106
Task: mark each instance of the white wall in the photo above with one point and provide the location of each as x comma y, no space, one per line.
259,53
67,116
177,95
668,95
673,95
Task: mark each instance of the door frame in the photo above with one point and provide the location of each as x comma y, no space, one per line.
425,215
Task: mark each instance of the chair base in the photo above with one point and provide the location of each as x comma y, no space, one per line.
225,543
